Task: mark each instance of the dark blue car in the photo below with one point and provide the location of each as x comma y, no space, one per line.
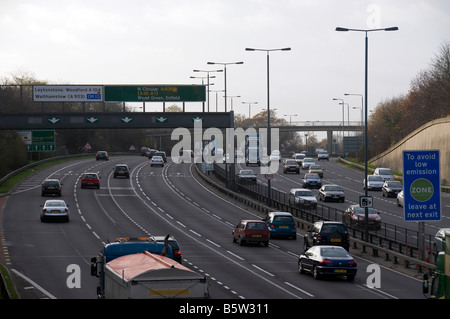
311,180
281,224
327,261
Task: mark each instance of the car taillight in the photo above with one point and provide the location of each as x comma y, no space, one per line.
352,263
178,253
326,261
294,227
272,226
44,210
319,237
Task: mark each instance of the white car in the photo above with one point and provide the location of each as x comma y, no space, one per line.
54,208
303,197
400,199
307,162
323,155
385,173
373,182
275,156
157,160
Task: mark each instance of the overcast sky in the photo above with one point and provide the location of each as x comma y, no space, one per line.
163,41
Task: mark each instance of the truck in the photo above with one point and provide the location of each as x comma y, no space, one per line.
439,288
252,155
141,268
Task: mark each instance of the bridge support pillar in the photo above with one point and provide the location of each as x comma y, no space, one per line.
330,141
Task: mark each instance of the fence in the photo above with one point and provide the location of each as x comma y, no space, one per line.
389,238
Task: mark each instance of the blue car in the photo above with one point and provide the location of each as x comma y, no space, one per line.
281,224
327,261
311,180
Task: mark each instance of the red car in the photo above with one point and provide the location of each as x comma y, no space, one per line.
90,180
251,231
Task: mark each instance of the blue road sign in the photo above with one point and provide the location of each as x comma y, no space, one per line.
421,185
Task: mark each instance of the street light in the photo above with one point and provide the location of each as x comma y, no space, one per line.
341,29
231,98
207,72
290,118
269,151
334,99
249,105
225,72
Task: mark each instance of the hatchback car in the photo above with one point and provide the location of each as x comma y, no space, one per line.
311,180
327,233
374,182
275,156
55,208
316,169
156,160
307,162
247,176
400,199
291,166
255,231
391,188
331,193
385,173
51,187
151,152
90,179
101,155
298,157
327,260
121,170
323,155
172,242
355,216
163,155
281,224
303,197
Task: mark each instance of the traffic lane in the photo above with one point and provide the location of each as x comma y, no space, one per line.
261,262
43,251
213,235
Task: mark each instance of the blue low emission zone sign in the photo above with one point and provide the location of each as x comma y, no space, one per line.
421,185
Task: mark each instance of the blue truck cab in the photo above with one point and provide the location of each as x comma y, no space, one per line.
122,247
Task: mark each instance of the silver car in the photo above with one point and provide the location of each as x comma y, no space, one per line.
303,197
385,173
439,240
55,208
373,182
400,199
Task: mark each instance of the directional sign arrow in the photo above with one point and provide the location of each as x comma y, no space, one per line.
91,119
54,120
161,119
197,119
126,119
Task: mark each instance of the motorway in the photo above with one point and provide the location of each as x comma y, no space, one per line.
169,200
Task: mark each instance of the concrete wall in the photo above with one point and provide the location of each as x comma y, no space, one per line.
434,135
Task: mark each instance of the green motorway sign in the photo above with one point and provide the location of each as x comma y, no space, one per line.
155,93
39,140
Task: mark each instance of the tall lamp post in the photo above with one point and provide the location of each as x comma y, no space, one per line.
343,121
269,151
225,75
231,156
290,118
207,72
249,106
341,29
